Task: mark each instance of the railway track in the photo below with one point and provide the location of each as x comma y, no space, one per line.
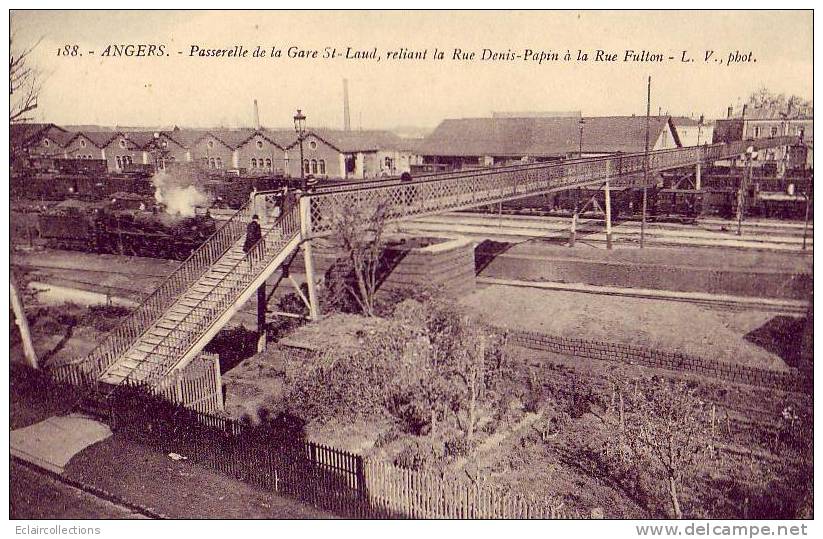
556,229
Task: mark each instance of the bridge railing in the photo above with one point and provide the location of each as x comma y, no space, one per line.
487,186
188,330
153,307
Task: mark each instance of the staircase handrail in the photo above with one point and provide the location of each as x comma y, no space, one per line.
153,306
288,225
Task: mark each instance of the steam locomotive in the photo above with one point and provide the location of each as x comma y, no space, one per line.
104,228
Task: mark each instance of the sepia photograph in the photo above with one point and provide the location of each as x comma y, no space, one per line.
455,265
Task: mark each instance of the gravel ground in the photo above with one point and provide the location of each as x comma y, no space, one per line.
713,334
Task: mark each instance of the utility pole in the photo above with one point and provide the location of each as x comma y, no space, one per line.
23,325
646,163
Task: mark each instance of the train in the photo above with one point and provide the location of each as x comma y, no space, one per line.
108,228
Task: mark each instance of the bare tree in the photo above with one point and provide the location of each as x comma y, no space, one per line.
765,98
662,428
359,231
24,83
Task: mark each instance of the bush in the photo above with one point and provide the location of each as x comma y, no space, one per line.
104,318
458,446
415,457
387,437
403,405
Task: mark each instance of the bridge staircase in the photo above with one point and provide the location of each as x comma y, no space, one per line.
187,310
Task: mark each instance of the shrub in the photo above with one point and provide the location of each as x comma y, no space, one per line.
415,457
458,446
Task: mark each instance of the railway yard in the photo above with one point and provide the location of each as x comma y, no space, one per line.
716,310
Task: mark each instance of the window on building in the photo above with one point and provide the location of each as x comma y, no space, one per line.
82,143
306,166
321,166
46,142
211,163
219,162
119,162
757,131
211,144
314,166
268,164
259,144
253,162
313,145
127,160
122,143
774,131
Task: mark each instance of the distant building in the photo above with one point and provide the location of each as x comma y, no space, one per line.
326,153
766,122
479,142
38,140
693,132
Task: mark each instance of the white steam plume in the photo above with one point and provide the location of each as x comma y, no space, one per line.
179,196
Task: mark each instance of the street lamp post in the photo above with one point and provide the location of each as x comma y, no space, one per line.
300,129
581,123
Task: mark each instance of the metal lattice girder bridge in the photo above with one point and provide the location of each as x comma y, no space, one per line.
172,325
468,189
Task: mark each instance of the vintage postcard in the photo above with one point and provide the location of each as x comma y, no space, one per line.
411,264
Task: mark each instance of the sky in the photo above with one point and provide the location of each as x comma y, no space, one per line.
205,92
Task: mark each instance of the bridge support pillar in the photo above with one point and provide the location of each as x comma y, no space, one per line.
697,177
261,317
573,231
311,283
608,216
643,218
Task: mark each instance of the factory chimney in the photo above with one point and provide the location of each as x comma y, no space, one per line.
729,111
346,118
256,116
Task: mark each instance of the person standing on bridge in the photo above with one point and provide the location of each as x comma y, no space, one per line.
254,245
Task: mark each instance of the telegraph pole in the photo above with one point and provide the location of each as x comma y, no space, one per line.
646,162
23,325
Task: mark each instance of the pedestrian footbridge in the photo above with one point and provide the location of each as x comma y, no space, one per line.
172,325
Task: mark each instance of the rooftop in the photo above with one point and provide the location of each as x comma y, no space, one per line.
541,136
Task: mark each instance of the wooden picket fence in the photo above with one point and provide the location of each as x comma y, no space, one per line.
277,457
199,386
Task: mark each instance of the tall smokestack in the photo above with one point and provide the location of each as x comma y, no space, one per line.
346,118
256,116
729,111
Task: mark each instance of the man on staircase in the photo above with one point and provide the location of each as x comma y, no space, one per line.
253,246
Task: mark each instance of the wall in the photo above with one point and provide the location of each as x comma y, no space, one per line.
260,148
448,264
321,150
121,147
209,147
80,146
